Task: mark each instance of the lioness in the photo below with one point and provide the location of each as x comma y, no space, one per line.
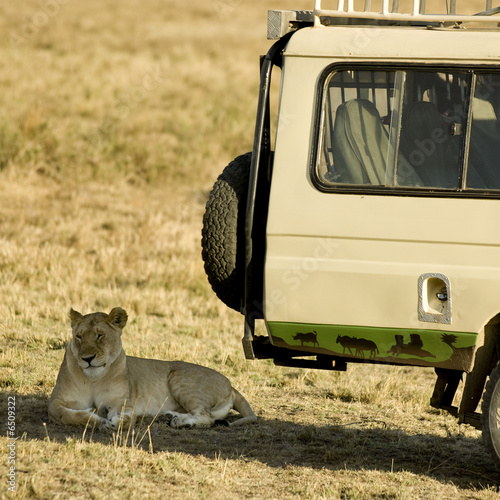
99,385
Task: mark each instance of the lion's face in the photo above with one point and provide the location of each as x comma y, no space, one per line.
96,340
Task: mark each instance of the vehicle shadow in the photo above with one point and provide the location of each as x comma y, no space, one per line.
277,443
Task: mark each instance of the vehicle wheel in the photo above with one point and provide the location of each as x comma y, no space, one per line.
490,415
223,233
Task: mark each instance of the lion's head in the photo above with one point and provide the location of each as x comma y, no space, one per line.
96,341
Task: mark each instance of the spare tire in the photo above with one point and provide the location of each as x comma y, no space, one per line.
223,233
490,411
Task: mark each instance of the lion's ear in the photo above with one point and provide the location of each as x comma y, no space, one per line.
118,317
75,317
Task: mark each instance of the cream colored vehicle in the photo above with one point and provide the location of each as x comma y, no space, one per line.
367,227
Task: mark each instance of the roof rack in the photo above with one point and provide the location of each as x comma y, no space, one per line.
281,22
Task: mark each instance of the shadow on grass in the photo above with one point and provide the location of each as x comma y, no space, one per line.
278,443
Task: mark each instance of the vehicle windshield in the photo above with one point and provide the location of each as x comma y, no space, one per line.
410,129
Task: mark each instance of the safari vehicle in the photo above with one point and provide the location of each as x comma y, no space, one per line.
366,227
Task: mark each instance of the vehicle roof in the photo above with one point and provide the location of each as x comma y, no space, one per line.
388,43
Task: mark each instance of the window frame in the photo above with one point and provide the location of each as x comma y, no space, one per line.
461,191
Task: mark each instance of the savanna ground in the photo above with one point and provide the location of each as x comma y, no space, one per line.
116,117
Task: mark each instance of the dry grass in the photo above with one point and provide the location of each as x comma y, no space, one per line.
116,119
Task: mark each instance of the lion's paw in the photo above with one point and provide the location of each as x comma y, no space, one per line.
178,420
165,418
108,425
116,420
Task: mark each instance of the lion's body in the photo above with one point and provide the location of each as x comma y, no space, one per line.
99,384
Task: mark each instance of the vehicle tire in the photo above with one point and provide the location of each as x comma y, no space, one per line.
490,415
223,233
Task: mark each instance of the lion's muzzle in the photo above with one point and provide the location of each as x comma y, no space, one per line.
88,360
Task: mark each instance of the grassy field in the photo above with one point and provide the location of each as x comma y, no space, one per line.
116,119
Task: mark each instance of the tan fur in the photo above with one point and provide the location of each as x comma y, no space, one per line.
99,385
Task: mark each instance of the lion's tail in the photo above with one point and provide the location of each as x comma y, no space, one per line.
240,404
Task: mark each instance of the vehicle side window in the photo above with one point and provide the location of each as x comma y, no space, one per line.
483,171
406,129
355,135
433,121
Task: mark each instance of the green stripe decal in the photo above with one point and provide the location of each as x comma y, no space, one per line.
440,348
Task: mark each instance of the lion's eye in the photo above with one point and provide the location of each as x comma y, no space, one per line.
100,336
78,337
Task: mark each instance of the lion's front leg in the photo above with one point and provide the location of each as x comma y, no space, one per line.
68,416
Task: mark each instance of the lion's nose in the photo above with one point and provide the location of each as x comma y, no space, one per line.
89,359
